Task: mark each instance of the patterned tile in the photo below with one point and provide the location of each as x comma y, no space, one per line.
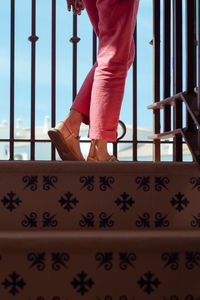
152,205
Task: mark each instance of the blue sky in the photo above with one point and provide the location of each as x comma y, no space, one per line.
64,61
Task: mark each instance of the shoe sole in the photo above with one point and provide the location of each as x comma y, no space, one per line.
61,146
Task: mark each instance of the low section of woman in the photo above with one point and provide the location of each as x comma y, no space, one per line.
99,100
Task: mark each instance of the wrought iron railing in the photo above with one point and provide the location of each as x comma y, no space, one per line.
172,36
190,96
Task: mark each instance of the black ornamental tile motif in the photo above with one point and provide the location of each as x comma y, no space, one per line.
179,201
31,182
105,259
105,298
188,297
48,220
171,259
143,221
82,283
196,221
53,298
195,181
106,182
143,183
148,282
105,220
126,260
88,182
14,283
87,221
161,220
125,201
37,259
161,183
30,220
192,259
68,202
49,182
59,260
123,297
11,201
173,297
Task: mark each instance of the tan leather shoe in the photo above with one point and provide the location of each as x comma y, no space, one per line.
66,142
93,155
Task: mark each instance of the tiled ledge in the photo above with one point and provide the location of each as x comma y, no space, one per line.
131,229
102,196
176,237
117,265
82,167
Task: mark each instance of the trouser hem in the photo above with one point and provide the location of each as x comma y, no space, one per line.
110,136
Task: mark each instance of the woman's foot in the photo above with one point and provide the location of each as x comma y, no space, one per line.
98,152
65,137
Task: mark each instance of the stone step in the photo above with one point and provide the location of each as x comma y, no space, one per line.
99,196
122,265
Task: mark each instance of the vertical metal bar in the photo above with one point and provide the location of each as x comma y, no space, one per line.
177,45
135,145
115,149
199,56
190,54
156,74
12,78
177,78
33,38
94,40
74,40
190,45
198,66
167,62
195,43
53,73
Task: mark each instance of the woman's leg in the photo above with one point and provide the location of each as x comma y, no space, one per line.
117,20
64,135
83,98
82,101
80,108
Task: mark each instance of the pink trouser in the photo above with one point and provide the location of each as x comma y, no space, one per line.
101,94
